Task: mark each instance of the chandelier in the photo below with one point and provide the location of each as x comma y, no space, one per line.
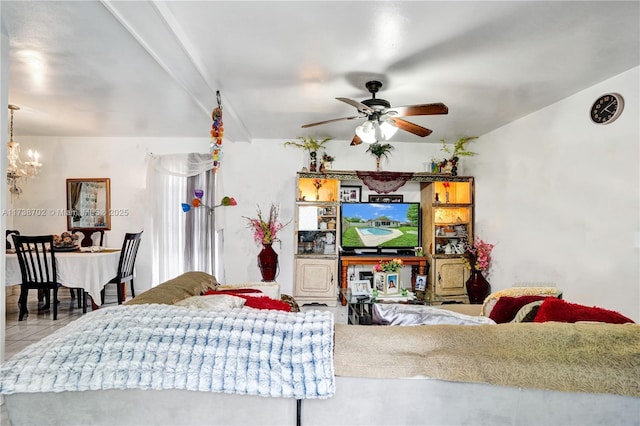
16,168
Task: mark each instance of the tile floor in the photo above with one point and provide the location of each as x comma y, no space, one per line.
20,334
38,324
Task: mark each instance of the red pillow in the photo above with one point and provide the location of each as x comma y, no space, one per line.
252,301
507,307
554,309
266,303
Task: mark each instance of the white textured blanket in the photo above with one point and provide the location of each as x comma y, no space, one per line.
252,352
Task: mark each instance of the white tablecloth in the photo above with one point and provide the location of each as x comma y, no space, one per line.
90,271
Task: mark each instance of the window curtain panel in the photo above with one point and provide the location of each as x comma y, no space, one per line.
180,242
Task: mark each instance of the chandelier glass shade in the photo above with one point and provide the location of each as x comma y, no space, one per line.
375,129
16,167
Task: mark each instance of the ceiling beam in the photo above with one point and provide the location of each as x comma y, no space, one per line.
153,25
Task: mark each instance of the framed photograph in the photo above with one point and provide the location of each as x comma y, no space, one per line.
360,288
392,285
379,281
421,282
350,194
386,198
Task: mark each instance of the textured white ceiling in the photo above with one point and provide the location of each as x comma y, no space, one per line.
152,69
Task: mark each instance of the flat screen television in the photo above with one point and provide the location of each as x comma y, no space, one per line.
380,226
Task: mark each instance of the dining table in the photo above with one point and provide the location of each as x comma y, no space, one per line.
89,270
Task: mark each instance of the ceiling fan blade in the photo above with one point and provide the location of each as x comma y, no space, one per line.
424,109
330,121
360,106
356,140
411,127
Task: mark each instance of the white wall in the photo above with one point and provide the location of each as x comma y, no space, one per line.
555,193
559,196
123,160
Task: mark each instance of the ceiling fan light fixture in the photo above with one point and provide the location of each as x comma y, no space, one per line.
388,129
366,132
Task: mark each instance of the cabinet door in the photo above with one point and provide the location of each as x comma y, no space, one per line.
316,278
450,277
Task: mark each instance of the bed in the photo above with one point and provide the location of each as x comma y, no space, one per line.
153,361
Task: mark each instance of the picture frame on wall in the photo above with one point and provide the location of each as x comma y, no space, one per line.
386,198
350,193
421,282
360,287
392,284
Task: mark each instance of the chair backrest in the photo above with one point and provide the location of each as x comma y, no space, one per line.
128,255
87,234
37,260
11,232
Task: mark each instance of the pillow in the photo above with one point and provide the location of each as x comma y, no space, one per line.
266,303
212,303
291,302
186,285
234,291
554,309
253,298
507,307
528,312
491,299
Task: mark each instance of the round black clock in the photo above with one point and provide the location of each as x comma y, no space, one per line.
607,108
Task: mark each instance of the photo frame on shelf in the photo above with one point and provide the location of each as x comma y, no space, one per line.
391,284
421,283
360,288
379,281
386,198
350,193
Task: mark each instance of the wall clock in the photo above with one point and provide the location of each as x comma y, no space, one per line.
607,108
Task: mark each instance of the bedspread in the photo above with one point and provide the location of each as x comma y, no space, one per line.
242,351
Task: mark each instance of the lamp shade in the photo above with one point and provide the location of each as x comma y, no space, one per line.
366,132
387,129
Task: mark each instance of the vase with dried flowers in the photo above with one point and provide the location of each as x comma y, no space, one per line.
446,191
265,233
477,258
317,183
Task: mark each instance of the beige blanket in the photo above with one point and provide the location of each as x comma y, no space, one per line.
584,357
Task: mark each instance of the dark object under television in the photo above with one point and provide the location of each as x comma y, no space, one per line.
383,227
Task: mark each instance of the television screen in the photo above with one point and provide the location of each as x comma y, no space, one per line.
380,225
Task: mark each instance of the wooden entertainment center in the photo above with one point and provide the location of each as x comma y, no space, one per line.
447,215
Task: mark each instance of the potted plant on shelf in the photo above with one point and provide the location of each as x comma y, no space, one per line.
326,162
312,146
453,154
379,150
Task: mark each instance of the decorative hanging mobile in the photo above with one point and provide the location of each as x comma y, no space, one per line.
217,132
197,202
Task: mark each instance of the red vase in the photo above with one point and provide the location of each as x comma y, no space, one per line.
478,287
268,262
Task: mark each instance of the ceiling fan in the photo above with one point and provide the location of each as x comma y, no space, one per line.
383,120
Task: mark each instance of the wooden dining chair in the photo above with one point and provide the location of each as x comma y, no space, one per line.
87,235
38,269
39,272
125,266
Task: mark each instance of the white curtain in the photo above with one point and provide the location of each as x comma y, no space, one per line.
180,242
